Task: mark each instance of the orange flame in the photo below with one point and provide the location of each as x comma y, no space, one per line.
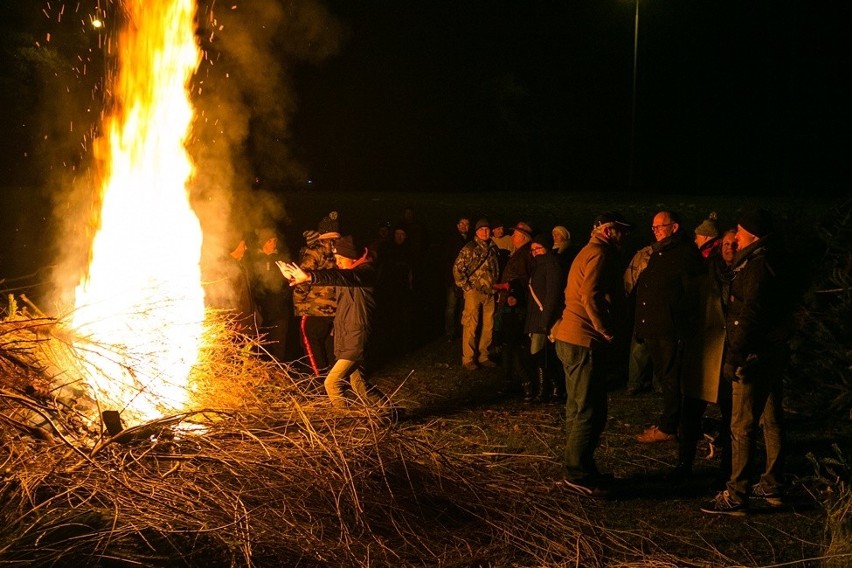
141,306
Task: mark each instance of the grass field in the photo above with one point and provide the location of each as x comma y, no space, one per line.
505,505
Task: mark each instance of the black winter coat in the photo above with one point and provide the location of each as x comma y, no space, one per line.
355,307
760,304
662,301
546,293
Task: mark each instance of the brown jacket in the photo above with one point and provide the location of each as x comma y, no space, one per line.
594,295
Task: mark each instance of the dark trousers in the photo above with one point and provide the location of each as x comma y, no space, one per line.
756,401
585,408
690,431
665,358
318,341
275,339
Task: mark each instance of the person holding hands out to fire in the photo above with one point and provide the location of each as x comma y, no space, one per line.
354,279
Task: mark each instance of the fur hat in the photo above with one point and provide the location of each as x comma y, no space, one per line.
758,222
311,237
329,226
482,223
345,247
708,227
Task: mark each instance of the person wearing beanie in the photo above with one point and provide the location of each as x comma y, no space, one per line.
756,222
757,324
503,241
562,247
475,272
707,236
315,306
354,279
329,226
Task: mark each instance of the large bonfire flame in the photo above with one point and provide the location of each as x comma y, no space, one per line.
141,305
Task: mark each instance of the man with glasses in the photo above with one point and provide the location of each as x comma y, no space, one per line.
592,317
662,315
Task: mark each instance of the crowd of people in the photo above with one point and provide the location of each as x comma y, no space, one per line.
700,316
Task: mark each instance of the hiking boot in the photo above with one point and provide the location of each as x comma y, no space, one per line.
724,504
654,434
470,366
488,364
772,497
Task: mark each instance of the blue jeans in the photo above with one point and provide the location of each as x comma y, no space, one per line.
756,401
585,408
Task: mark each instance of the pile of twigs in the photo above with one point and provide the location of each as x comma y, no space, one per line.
267,473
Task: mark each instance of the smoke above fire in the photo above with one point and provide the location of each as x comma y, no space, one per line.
240,142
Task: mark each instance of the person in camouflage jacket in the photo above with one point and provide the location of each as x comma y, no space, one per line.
476,271
315,306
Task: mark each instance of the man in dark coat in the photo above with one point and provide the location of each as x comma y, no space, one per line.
544,306
273,297
354,279
757,324
512,311
663,316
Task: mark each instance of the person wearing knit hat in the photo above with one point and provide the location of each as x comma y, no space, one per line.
329,226
354,280
311,237
757,328
475,271
707,236
562,248
345,247
502,240
758,222
315,306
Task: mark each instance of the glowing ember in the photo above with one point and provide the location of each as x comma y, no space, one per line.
141,307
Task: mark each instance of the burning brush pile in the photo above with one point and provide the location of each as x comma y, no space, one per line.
266,473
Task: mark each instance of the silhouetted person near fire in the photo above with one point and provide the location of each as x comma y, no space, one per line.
272,295
228,288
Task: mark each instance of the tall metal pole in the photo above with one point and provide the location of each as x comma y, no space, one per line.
632,163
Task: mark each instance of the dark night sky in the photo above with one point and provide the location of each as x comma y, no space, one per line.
493,95
490,95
